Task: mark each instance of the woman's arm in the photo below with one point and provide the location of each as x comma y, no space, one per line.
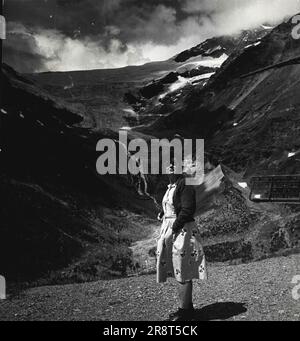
188,208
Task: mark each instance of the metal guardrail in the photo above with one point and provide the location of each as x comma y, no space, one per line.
276,188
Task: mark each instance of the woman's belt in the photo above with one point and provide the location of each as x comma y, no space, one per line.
170,217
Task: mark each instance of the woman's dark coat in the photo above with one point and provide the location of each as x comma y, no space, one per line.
184,201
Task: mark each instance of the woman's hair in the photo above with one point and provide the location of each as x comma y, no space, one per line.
171,169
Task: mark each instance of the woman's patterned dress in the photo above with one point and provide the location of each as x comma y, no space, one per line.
182,258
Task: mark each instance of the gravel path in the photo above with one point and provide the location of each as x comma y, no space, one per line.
256,291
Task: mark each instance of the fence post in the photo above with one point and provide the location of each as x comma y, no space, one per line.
2,288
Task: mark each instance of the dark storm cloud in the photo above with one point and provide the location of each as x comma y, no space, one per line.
74,34
101,22
94,17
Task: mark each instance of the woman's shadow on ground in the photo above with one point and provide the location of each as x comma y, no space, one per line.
219,311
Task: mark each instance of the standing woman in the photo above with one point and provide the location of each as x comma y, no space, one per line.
179,251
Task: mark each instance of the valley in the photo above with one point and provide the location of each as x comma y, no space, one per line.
74,225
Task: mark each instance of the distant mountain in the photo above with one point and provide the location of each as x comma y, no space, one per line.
114,98
217,46
193,67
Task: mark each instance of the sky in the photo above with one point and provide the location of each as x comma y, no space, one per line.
65,35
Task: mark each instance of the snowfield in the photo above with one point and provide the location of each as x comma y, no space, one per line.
182,82
204,62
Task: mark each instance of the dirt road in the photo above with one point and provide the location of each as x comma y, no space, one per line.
255,291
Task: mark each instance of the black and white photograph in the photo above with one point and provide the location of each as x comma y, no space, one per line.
150,163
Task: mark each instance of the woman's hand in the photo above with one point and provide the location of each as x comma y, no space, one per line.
160,216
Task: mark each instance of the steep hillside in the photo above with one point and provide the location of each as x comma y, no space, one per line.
56,212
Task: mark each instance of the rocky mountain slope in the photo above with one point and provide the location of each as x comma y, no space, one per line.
248,111
194,67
